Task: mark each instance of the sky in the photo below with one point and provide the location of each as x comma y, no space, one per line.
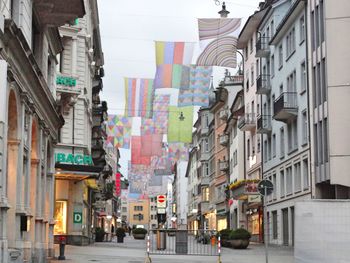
129,29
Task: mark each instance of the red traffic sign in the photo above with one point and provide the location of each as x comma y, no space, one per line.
161,198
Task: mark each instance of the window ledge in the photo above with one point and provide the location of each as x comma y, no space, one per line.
290,55
304,144
292,150
280,67
302,92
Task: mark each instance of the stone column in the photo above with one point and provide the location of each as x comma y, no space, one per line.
12,157
33,196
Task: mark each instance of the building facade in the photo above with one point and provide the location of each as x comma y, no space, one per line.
29,124
139,213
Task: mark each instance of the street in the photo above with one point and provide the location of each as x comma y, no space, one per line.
133,251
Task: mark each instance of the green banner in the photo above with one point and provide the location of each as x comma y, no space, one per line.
180,124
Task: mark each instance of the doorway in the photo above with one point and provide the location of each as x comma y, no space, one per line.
285,227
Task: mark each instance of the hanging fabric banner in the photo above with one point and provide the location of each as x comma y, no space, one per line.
171,60
138,177
139,95
198,92
159,123
136,155
180,124
151,145
118,131
177,151
218,41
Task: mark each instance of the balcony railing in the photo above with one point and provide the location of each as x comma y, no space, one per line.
223,114
285,106
263,84
223,165
263,124
262,47
247,122
223,139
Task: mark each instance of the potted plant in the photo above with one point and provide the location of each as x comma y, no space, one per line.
99,234
225,237
139,233
240,238
120,233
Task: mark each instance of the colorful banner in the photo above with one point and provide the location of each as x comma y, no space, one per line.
151,144
198,92
159,123
171,60
180,124
218,39
139,95
177,152
118,131
137,156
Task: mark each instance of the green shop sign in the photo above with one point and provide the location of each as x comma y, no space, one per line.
66,81
73,159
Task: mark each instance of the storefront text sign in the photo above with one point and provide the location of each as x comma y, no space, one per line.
66,81
73,159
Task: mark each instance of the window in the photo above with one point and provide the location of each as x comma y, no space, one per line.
251,45
303,77
205,194
265,151
282,142
138,217
124,209
60,218
273,145
138,208
290,43
289,180
247,78
206,169
325,135
258,145
269,147
235,130
297,177
305,174
274,225
304,127
302,28
292,135
235,158
272,27
280,56
246,52
291,82
282,185
248,149
206,145
252,75
321,21
274,181
272,65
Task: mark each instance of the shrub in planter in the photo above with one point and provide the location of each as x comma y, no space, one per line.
120,233
99,234
225,236
139,233
239,238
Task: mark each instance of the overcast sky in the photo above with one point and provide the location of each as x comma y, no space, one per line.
129,29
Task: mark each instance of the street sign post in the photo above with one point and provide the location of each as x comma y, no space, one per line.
265,188
161,201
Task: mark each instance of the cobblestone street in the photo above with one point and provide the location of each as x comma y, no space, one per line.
133,251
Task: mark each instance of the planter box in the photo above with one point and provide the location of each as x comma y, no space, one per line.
139,236
239,243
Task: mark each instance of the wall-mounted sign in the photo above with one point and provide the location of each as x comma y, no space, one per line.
161,201
73,158
66,81
77,218
254,199
117,184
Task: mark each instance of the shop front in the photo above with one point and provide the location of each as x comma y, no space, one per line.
221,217
75,186
255,217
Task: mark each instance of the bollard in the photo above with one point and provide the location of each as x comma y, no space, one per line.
62,242
219,249
148,259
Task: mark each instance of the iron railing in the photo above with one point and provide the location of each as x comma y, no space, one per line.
287,100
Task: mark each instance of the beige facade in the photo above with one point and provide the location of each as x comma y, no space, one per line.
139,213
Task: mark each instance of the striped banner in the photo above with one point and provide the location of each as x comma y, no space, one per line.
139,95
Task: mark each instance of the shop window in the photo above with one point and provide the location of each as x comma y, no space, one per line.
61,218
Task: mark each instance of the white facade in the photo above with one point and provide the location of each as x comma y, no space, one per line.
286,156
181,195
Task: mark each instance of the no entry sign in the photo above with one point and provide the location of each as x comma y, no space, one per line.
161,201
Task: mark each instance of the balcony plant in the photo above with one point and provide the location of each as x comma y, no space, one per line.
240,238
120,233
139,233
99,234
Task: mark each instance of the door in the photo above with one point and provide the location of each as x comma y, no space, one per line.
285,227
292,225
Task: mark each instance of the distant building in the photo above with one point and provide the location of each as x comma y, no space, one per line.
139,213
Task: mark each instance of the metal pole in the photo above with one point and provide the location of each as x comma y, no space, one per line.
265,226
219,249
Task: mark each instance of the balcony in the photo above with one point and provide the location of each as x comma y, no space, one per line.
247,122
285,107
223,165
263,124
223,139
262,47
223,114
205,180
263,84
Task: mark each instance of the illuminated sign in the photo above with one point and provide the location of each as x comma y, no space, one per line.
73,159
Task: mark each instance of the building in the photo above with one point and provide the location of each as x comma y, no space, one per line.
29,121
328,50
139,213
81,170
179,195
153,212
286,148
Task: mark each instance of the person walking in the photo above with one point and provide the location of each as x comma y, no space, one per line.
129,231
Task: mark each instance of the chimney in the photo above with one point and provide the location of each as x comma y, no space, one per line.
223,13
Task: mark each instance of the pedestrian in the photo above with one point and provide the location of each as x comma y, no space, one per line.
129,231
112,232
